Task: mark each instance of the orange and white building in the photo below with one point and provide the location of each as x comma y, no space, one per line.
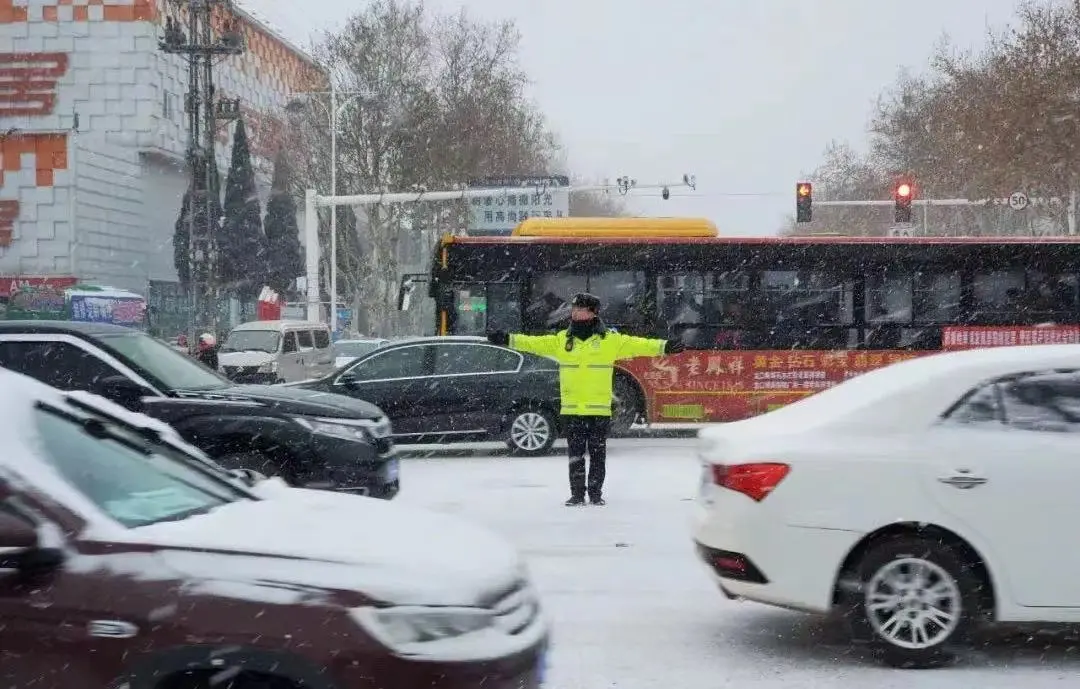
93,134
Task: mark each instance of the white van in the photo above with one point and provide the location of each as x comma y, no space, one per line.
277,352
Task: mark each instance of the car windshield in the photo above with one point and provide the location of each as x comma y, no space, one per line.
252,341
133,480
174,370
356,348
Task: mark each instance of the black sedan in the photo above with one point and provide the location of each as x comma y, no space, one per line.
456,389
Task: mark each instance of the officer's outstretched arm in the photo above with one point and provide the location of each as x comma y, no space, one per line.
631,347
542,345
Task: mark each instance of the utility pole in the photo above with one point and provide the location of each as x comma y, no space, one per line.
190,32
339,100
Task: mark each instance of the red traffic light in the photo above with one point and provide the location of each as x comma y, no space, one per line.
904,190
804,189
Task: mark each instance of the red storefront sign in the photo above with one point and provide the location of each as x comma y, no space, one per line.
10,284
727,386
974,337
28,82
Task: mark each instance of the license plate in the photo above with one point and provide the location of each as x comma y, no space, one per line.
392,469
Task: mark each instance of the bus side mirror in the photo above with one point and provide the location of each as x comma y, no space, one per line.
405,294
407,288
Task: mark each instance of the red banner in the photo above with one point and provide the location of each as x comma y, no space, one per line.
728,386
10,284
973,337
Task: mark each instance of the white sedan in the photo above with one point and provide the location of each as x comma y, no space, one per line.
917,500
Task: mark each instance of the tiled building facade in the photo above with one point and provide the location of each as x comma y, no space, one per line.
93,133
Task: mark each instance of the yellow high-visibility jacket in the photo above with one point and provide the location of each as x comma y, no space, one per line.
587,371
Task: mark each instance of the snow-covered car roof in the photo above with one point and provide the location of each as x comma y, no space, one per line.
907,394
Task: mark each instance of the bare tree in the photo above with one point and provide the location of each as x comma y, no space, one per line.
443,101
986,124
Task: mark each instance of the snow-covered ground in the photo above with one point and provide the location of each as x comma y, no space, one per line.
633,609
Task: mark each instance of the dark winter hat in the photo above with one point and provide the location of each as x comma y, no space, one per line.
586,301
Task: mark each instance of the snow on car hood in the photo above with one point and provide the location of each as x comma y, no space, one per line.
249,358
386,551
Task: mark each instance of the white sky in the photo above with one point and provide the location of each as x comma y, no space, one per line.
743,93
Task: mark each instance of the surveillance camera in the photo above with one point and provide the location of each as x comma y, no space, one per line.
666,193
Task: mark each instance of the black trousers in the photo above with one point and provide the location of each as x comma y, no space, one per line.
587,434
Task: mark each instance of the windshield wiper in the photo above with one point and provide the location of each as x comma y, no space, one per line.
99,429
181,516
152,436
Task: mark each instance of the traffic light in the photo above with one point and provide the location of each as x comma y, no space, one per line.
902,196
804,202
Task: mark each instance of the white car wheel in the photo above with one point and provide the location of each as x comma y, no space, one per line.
916,600
913,603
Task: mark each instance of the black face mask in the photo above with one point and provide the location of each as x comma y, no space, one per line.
583,330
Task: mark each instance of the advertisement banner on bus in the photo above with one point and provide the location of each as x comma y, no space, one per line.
727,386
973,337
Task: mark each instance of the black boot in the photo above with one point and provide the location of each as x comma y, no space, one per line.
597,500
575,501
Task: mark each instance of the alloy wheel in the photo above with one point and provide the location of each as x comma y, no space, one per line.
913,603
530,431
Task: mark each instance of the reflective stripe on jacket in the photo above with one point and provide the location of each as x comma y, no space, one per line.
587,371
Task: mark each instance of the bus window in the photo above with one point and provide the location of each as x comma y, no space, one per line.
999,296
483,308
807,298
549,307
936,297
622,298
706,310
504,306
470,306
1053,298
888,298
681,299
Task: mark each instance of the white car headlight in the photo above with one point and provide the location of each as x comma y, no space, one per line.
351,429
268,367
334,428
404,626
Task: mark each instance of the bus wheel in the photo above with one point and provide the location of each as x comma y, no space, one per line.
629,407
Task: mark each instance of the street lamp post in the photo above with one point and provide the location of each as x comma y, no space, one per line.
337,105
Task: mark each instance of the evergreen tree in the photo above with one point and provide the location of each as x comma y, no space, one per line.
242,243
207,214
285,259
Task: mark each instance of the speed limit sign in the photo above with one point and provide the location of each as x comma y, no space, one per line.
1018,201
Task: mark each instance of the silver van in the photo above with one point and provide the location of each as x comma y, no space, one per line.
277,352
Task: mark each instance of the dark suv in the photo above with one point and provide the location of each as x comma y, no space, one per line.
307,438
446,389
128,560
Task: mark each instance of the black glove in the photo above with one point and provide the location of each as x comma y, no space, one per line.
499,338
674,347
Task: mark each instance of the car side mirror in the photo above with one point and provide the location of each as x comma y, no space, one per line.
16,533
249,477
19,546
121,390
348,380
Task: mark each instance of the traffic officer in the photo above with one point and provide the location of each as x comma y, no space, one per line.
586,352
